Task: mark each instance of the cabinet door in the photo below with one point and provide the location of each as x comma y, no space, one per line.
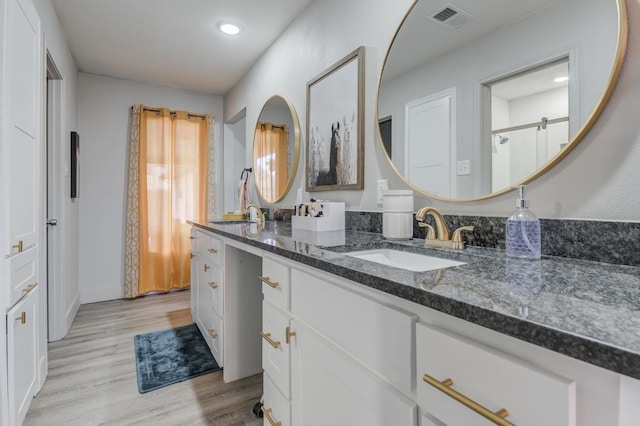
275,349
22,324
194,286
329,388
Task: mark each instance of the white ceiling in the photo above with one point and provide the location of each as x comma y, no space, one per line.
173,43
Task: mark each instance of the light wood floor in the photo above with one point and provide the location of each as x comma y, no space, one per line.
92,374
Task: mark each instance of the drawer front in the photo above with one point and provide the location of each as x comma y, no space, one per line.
210,246
377,335
492,379
212,286
214,336
276,282
276,360
23,271
277,407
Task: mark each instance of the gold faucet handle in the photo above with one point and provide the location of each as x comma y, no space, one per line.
431,233
456,238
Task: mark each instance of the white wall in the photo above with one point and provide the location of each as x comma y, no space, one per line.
598,180
103,114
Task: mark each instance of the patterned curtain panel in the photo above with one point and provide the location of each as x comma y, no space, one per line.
170,182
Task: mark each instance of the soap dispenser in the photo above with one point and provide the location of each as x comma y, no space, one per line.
523,230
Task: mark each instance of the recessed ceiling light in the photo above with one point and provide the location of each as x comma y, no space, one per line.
227,28
560,79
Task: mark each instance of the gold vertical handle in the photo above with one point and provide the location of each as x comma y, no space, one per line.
289,334
192,255
206,267
19,246
267,414
22,318
212,333
267,337
212,251
269,283
213,285
445,387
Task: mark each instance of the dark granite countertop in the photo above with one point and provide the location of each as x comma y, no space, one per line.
586,310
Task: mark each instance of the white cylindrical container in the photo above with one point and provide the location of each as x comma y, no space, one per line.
397,214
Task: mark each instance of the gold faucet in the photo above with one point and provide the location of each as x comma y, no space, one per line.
259,211
440,236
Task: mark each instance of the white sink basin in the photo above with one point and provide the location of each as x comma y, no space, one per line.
404,259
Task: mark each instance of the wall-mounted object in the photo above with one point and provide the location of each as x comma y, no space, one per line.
335,133
457,76
75,165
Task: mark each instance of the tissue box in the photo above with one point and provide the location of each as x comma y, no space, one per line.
332,218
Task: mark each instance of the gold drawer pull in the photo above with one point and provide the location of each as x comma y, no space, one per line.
445,387
213,285
213,333
212,251
206,267
289,335
192,255
267,337
19,246
267,414
22,318
269,283
30,287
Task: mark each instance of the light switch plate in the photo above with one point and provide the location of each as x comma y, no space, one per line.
463,168
383,185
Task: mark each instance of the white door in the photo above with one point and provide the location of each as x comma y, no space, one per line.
430,134
329,388
22,332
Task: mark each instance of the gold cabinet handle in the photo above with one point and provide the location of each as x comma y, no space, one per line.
289,334
269,283
30,287
192,255
206,267
213,285
22,318
267,337
445,387
212,333
267,414
212,251
19,246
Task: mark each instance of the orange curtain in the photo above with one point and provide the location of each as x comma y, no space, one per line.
172,189
270,154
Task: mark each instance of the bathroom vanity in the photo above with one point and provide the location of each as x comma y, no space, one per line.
346,341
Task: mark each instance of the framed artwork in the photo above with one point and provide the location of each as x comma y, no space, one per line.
75,165
335,117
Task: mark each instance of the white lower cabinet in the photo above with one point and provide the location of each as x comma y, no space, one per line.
458,374
22,329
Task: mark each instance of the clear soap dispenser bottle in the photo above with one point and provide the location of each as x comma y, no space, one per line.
523,230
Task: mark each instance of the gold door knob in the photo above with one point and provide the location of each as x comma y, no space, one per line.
269,283
267,337
22,318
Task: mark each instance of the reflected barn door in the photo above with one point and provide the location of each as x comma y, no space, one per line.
430,133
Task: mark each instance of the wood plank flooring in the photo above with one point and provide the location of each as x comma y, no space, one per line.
92,374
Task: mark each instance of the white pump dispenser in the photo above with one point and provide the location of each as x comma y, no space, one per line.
523,230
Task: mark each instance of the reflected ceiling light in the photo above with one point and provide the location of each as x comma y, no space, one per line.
560,79
228,28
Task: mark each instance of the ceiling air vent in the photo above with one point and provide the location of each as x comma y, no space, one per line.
450,16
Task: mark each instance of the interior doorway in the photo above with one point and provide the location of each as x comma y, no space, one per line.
54,160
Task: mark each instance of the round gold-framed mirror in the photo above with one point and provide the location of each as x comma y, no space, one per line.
276,149
476,97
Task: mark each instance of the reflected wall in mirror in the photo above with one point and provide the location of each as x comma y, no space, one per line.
276,149
478,96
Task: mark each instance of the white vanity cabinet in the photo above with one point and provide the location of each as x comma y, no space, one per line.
458,374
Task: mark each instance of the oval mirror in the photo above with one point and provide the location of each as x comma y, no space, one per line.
276,149
478,96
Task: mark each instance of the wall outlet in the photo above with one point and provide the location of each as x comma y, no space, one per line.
463,168
383,185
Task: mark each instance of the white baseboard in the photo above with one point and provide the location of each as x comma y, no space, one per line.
70,315
100,294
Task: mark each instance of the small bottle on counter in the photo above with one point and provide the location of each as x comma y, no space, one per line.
523,230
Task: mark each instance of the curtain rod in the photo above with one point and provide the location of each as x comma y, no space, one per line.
190,115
